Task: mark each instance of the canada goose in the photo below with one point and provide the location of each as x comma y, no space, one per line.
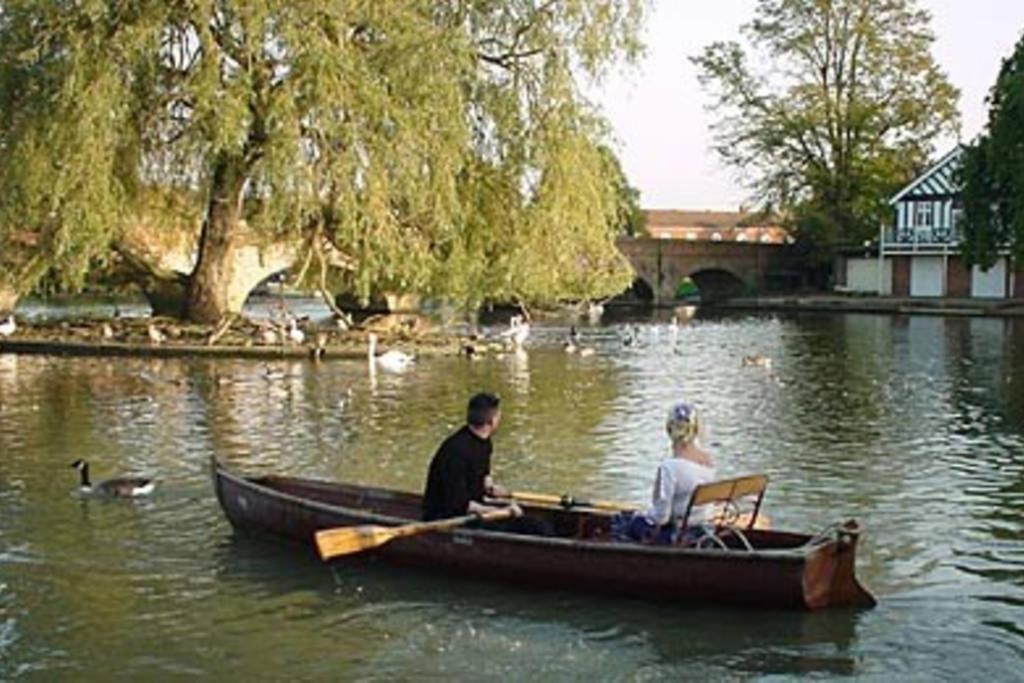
393,360
572,344
8,327
630,336
155,335
122,487
757,361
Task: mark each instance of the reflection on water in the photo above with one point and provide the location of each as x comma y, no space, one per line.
913,425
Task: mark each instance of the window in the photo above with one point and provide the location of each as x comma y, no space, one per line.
923,214
958,218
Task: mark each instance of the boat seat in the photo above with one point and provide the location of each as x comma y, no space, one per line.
728,492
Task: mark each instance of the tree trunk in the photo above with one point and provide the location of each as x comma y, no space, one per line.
214,290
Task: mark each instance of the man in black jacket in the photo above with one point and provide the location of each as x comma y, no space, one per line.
460,472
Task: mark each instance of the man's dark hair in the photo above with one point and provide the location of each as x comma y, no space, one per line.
481,408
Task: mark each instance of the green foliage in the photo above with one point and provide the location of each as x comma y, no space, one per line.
630,218
843,112
445,147
687,288
991,173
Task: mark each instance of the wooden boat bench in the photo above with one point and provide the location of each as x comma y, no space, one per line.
728,493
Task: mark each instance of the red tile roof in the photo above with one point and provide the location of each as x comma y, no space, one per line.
729,226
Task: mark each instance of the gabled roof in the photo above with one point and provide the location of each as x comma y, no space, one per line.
934,182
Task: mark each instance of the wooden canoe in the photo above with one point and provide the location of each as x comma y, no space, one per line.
782,570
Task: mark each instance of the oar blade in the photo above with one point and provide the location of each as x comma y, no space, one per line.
350,540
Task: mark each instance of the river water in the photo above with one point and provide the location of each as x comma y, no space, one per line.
912,425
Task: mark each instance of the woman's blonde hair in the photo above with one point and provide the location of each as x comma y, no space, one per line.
683,423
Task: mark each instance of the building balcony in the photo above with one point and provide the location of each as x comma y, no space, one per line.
937,239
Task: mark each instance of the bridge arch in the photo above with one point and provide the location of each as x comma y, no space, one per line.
717,284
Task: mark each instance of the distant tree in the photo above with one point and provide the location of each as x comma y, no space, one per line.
828,109
991,173
440,147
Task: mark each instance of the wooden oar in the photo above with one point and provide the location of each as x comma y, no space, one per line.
347,540
568,501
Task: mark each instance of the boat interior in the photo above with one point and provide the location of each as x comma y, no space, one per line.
576,522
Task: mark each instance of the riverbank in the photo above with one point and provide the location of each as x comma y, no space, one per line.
164,338
835,303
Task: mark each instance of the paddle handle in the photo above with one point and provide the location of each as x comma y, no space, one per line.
568,501
449,523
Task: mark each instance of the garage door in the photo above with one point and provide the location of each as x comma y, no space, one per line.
862,275
926,276
991,283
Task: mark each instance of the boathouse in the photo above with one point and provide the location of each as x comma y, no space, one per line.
918,253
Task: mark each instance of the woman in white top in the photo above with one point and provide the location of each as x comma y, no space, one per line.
677,477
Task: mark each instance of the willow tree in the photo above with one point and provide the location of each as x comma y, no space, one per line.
828,108
992,172
438,147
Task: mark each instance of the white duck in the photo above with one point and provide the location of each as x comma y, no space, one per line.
122,487
8,327
393,360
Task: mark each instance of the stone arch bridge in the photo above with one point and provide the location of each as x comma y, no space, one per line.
720,270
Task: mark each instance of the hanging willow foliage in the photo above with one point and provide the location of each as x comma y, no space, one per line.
440,147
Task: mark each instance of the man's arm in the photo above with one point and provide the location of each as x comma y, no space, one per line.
494,490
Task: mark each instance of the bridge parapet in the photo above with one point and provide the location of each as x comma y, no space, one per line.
720,269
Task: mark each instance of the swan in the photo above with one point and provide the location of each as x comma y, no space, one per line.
518,331
121,487
8,327
396,361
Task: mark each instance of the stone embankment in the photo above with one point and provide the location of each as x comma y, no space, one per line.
886,305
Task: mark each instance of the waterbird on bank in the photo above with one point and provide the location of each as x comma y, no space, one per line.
8,327
393,360
155,335
107,331
121,487
295,335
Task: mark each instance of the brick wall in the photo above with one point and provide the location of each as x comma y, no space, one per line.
958,278
901,276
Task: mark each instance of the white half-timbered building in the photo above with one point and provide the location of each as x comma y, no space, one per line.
918,253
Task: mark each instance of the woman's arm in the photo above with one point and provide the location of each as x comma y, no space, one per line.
661,498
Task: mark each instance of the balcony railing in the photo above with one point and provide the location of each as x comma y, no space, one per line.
936,238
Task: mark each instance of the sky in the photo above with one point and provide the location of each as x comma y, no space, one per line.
657,108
